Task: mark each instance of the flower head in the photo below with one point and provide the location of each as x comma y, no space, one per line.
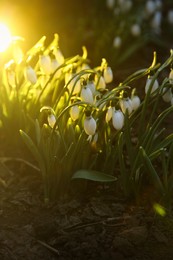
118,119
108,74
30,75
90,125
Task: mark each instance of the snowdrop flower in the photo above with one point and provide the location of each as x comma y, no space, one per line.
92,87
100,82
158,4
135,30
126,104
74,112
59,56
150,7
108,74
110,3
109,114
117,42
170,16
135,102
51,120
30,75
72,85
90,125
167,96
118,119
86,95
154,86
45,64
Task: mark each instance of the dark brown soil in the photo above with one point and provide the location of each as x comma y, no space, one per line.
99,226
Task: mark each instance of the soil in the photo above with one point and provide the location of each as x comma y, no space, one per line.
96,226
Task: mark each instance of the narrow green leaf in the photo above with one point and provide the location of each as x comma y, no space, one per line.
93,176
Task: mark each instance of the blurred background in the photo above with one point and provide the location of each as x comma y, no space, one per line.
125,32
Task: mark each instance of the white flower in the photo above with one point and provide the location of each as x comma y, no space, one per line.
118,119
170,16
86,95
74,112
136,30
72,84
108,74
30,75
92,87
45,64
167,96
100,82
154,86
150,7
110,3
90,125
17,54
109,114
117,42
59,56
135,102
126,104
51,120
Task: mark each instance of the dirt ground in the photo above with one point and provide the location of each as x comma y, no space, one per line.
96,226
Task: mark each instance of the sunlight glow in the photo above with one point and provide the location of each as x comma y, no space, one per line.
5,37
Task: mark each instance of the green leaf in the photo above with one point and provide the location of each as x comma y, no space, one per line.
93,176
33,149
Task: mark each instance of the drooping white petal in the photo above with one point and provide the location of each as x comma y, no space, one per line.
118,119
51,120
90,125
167,96
109,114
108,74
45,64
135,102
100,82
86,95
126,104
31,75
154,86
74,112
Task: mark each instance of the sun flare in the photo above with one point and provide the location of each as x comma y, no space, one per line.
5,37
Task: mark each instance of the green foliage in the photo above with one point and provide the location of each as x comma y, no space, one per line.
79,125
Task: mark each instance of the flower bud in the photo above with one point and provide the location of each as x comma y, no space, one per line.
45,64
118,119
108,74
167,96
92,87
135,102
74,112
156,21
59,56
51,120
109,114
31,75
100,82
126,104
154,86
86,95
90,125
